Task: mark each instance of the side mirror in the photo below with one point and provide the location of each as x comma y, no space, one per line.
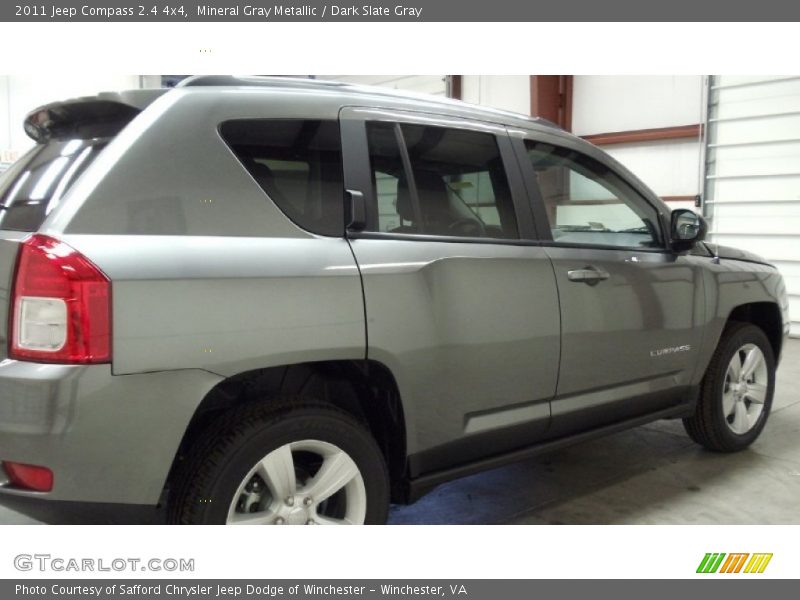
686,229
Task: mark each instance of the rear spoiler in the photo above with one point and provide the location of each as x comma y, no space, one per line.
103,115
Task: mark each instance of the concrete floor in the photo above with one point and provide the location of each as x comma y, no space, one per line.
652,474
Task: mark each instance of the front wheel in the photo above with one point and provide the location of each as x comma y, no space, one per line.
293,465
737,390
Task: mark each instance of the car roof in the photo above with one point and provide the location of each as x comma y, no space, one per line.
354,94
335,94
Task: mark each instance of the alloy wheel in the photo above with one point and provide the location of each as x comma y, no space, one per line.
745,389
308,482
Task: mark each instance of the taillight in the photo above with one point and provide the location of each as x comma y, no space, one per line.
61,306
29,477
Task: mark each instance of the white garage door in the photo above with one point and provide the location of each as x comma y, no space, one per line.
753,171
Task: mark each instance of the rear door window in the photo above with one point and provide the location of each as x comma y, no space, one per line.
298,164
34,185
440,181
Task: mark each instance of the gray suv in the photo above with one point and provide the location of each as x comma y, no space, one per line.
271,301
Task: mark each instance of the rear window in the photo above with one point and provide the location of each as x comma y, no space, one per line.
298,164
33,186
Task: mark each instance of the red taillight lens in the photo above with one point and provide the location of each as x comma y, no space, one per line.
29,477
61,306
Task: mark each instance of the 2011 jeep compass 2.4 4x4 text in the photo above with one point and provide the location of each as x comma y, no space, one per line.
279,301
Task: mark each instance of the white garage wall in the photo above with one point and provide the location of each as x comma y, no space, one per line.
506,92
20,94
607,104
753,171
604,103
423,84
671,167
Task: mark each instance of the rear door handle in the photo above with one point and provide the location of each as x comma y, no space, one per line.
358,211
588,275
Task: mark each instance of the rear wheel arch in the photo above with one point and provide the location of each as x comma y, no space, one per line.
364,389
288,460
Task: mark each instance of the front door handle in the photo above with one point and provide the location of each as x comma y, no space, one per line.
588,275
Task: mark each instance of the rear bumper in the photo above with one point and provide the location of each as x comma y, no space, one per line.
64,512
109,440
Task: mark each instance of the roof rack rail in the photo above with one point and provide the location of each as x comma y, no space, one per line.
302,83
257,81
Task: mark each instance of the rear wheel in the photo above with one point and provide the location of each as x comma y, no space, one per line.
737,390
284,463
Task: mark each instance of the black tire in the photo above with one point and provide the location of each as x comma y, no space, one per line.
708,426
223,455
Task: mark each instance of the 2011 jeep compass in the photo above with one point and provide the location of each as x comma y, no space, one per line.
277,301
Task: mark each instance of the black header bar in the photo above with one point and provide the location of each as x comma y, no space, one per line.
402,10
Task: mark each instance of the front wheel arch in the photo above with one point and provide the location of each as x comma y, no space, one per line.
764,315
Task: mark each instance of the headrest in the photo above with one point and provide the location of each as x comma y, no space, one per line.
432,191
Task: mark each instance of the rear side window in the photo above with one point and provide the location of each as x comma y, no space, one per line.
439,181
35,184
298,164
